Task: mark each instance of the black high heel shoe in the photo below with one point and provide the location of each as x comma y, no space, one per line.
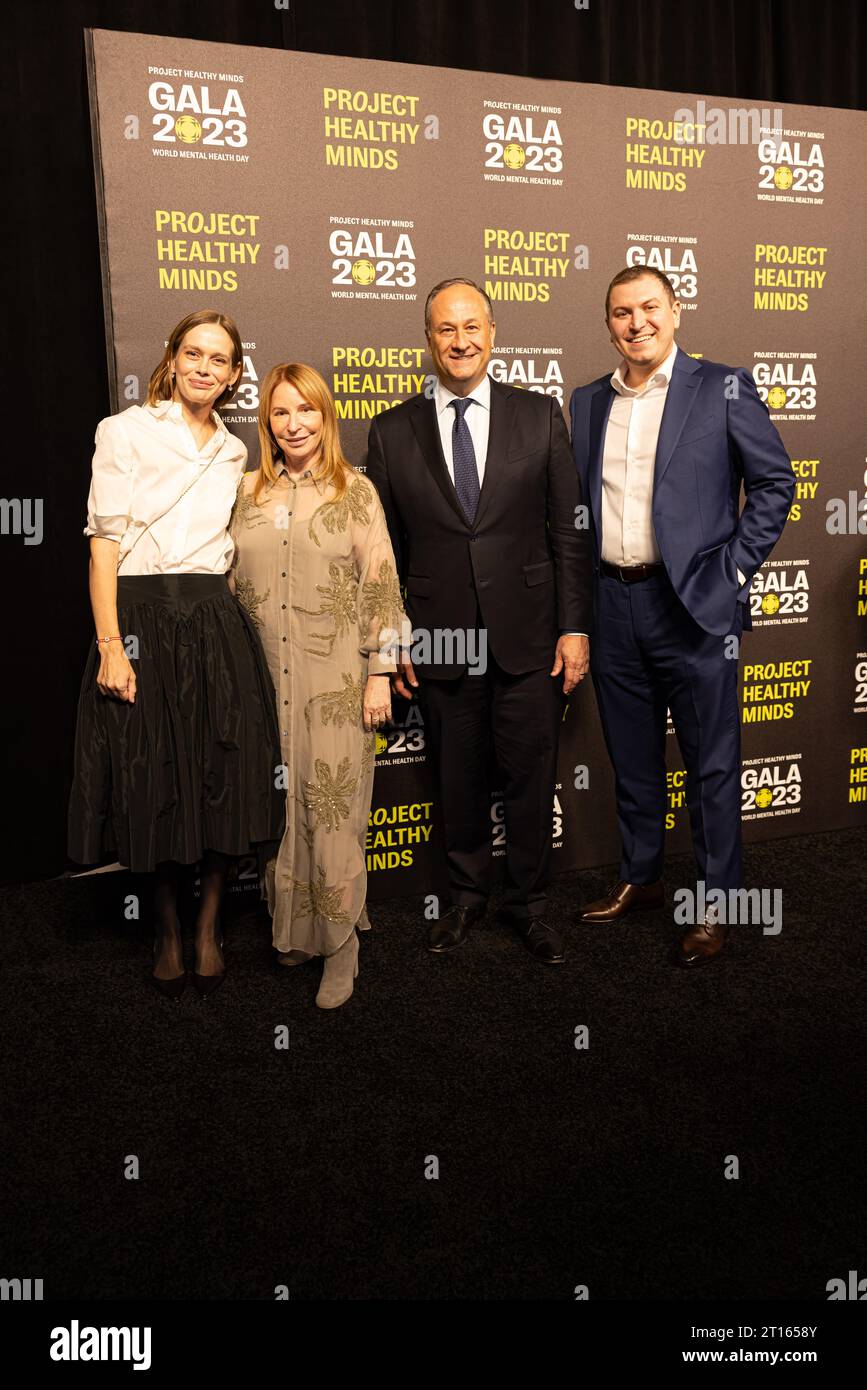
207,984
169,989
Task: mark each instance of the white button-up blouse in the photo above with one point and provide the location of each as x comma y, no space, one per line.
144,459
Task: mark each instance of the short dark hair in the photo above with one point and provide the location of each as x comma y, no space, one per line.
635,272
447,284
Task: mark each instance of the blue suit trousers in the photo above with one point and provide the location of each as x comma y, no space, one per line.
649,656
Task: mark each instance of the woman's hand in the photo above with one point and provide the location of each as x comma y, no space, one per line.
376,707
115,676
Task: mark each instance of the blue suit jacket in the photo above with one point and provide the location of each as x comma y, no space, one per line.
715,434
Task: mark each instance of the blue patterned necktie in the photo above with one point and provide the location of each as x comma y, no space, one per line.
464,460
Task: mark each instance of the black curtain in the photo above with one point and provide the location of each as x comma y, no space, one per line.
55,377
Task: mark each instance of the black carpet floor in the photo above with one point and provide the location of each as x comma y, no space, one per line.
305,1166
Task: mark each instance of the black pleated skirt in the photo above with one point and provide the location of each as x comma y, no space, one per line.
190,765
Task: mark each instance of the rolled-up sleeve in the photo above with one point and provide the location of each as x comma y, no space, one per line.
382,624
109,502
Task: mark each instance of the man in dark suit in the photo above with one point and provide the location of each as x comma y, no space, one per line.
483,505
662,447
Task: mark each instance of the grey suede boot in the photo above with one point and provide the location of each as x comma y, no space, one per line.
338,975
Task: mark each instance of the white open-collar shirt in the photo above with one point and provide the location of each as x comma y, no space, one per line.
628,462
144,459
628,467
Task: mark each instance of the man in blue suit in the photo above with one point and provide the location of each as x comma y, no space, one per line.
662,448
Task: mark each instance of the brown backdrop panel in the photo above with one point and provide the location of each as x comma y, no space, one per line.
318,198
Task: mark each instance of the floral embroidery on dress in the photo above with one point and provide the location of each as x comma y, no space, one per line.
339,707
244,505
335,515
317,899
380,601
328,797
338,603
248,598
322,558
368,753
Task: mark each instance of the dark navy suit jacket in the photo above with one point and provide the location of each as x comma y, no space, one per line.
715,435
521,562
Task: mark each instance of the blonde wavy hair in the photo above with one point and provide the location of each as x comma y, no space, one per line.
160,385
333,466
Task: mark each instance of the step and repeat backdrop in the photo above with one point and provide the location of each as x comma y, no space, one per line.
317,199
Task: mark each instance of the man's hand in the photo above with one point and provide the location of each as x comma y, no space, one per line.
573,656
404,677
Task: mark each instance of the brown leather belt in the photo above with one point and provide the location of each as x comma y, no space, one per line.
631,574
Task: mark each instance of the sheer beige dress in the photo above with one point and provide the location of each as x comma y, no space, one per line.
317,576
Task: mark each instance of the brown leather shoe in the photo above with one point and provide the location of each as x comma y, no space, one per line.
700,944
622,898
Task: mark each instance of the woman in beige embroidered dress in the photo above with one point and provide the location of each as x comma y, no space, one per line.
315,570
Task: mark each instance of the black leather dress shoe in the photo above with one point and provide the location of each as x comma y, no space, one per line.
451,929
544,942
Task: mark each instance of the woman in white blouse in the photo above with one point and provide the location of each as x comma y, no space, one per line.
177,748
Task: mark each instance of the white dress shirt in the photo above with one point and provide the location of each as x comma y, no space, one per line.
628,459
478,418
628,463
144,459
